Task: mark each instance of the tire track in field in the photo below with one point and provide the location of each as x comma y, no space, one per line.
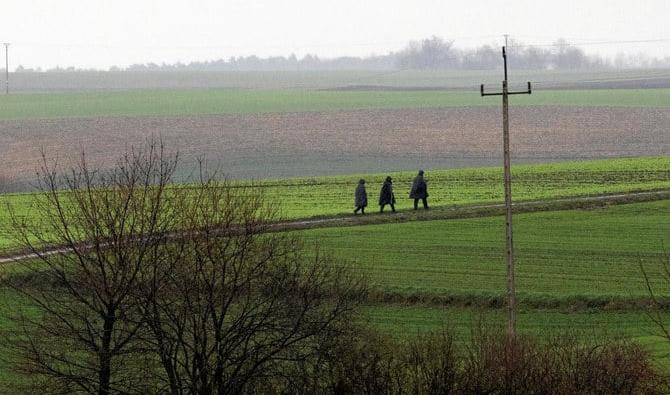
439,213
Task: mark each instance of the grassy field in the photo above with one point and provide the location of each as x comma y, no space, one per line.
307,79
576,270
567,259
568,263
184,102
306,197
403,320
326,196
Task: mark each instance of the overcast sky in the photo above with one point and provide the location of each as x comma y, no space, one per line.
101,33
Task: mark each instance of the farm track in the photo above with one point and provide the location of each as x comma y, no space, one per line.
439,213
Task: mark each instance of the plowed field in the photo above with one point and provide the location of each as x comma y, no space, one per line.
320,143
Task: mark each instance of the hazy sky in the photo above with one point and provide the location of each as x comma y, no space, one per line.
101,33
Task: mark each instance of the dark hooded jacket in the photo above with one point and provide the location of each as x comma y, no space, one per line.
419,188
361,195
386,195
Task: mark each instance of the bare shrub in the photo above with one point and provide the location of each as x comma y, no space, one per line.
366,364
618,367
374,364
496,363
235,307
432,364
492,363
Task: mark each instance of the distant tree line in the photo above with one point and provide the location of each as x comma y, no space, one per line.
437,53
434,53
431,53
281,63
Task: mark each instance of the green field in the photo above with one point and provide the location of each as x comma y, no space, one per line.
187,102
307,197
564,258
565,261
331,79
577,270
403,320
327,196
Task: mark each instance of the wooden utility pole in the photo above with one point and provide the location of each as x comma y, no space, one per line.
6,68
511,292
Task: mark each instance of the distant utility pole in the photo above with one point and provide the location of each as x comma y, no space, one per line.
6,68
511,292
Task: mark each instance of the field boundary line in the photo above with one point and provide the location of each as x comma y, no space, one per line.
439,213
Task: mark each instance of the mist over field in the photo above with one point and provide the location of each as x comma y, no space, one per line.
433,63
365,80
432,53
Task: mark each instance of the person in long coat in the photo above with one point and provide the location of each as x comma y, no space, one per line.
361,197
419,191
386,195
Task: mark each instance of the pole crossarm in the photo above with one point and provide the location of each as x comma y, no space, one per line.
528,91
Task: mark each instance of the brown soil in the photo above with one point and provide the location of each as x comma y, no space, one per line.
292,144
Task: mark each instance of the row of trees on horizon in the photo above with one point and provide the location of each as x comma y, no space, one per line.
434,53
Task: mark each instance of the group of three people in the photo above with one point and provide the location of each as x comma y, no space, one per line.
418,192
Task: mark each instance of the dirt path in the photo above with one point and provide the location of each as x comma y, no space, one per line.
439,213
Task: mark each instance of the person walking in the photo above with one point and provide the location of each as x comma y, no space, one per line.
386,195
419,191
360,197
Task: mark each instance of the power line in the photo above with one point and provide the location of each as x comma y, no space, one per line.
207,47
589,43
512,44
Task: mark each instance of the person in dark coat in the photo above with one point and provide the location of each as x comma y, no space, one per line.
386,195
419,191
361,197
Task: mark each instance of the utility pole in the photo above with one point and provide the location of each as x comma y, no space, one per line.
6,68
511,292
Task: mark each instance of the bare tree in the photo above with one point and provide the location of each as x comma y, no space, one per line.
238,307
81,320
430,53
155,288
